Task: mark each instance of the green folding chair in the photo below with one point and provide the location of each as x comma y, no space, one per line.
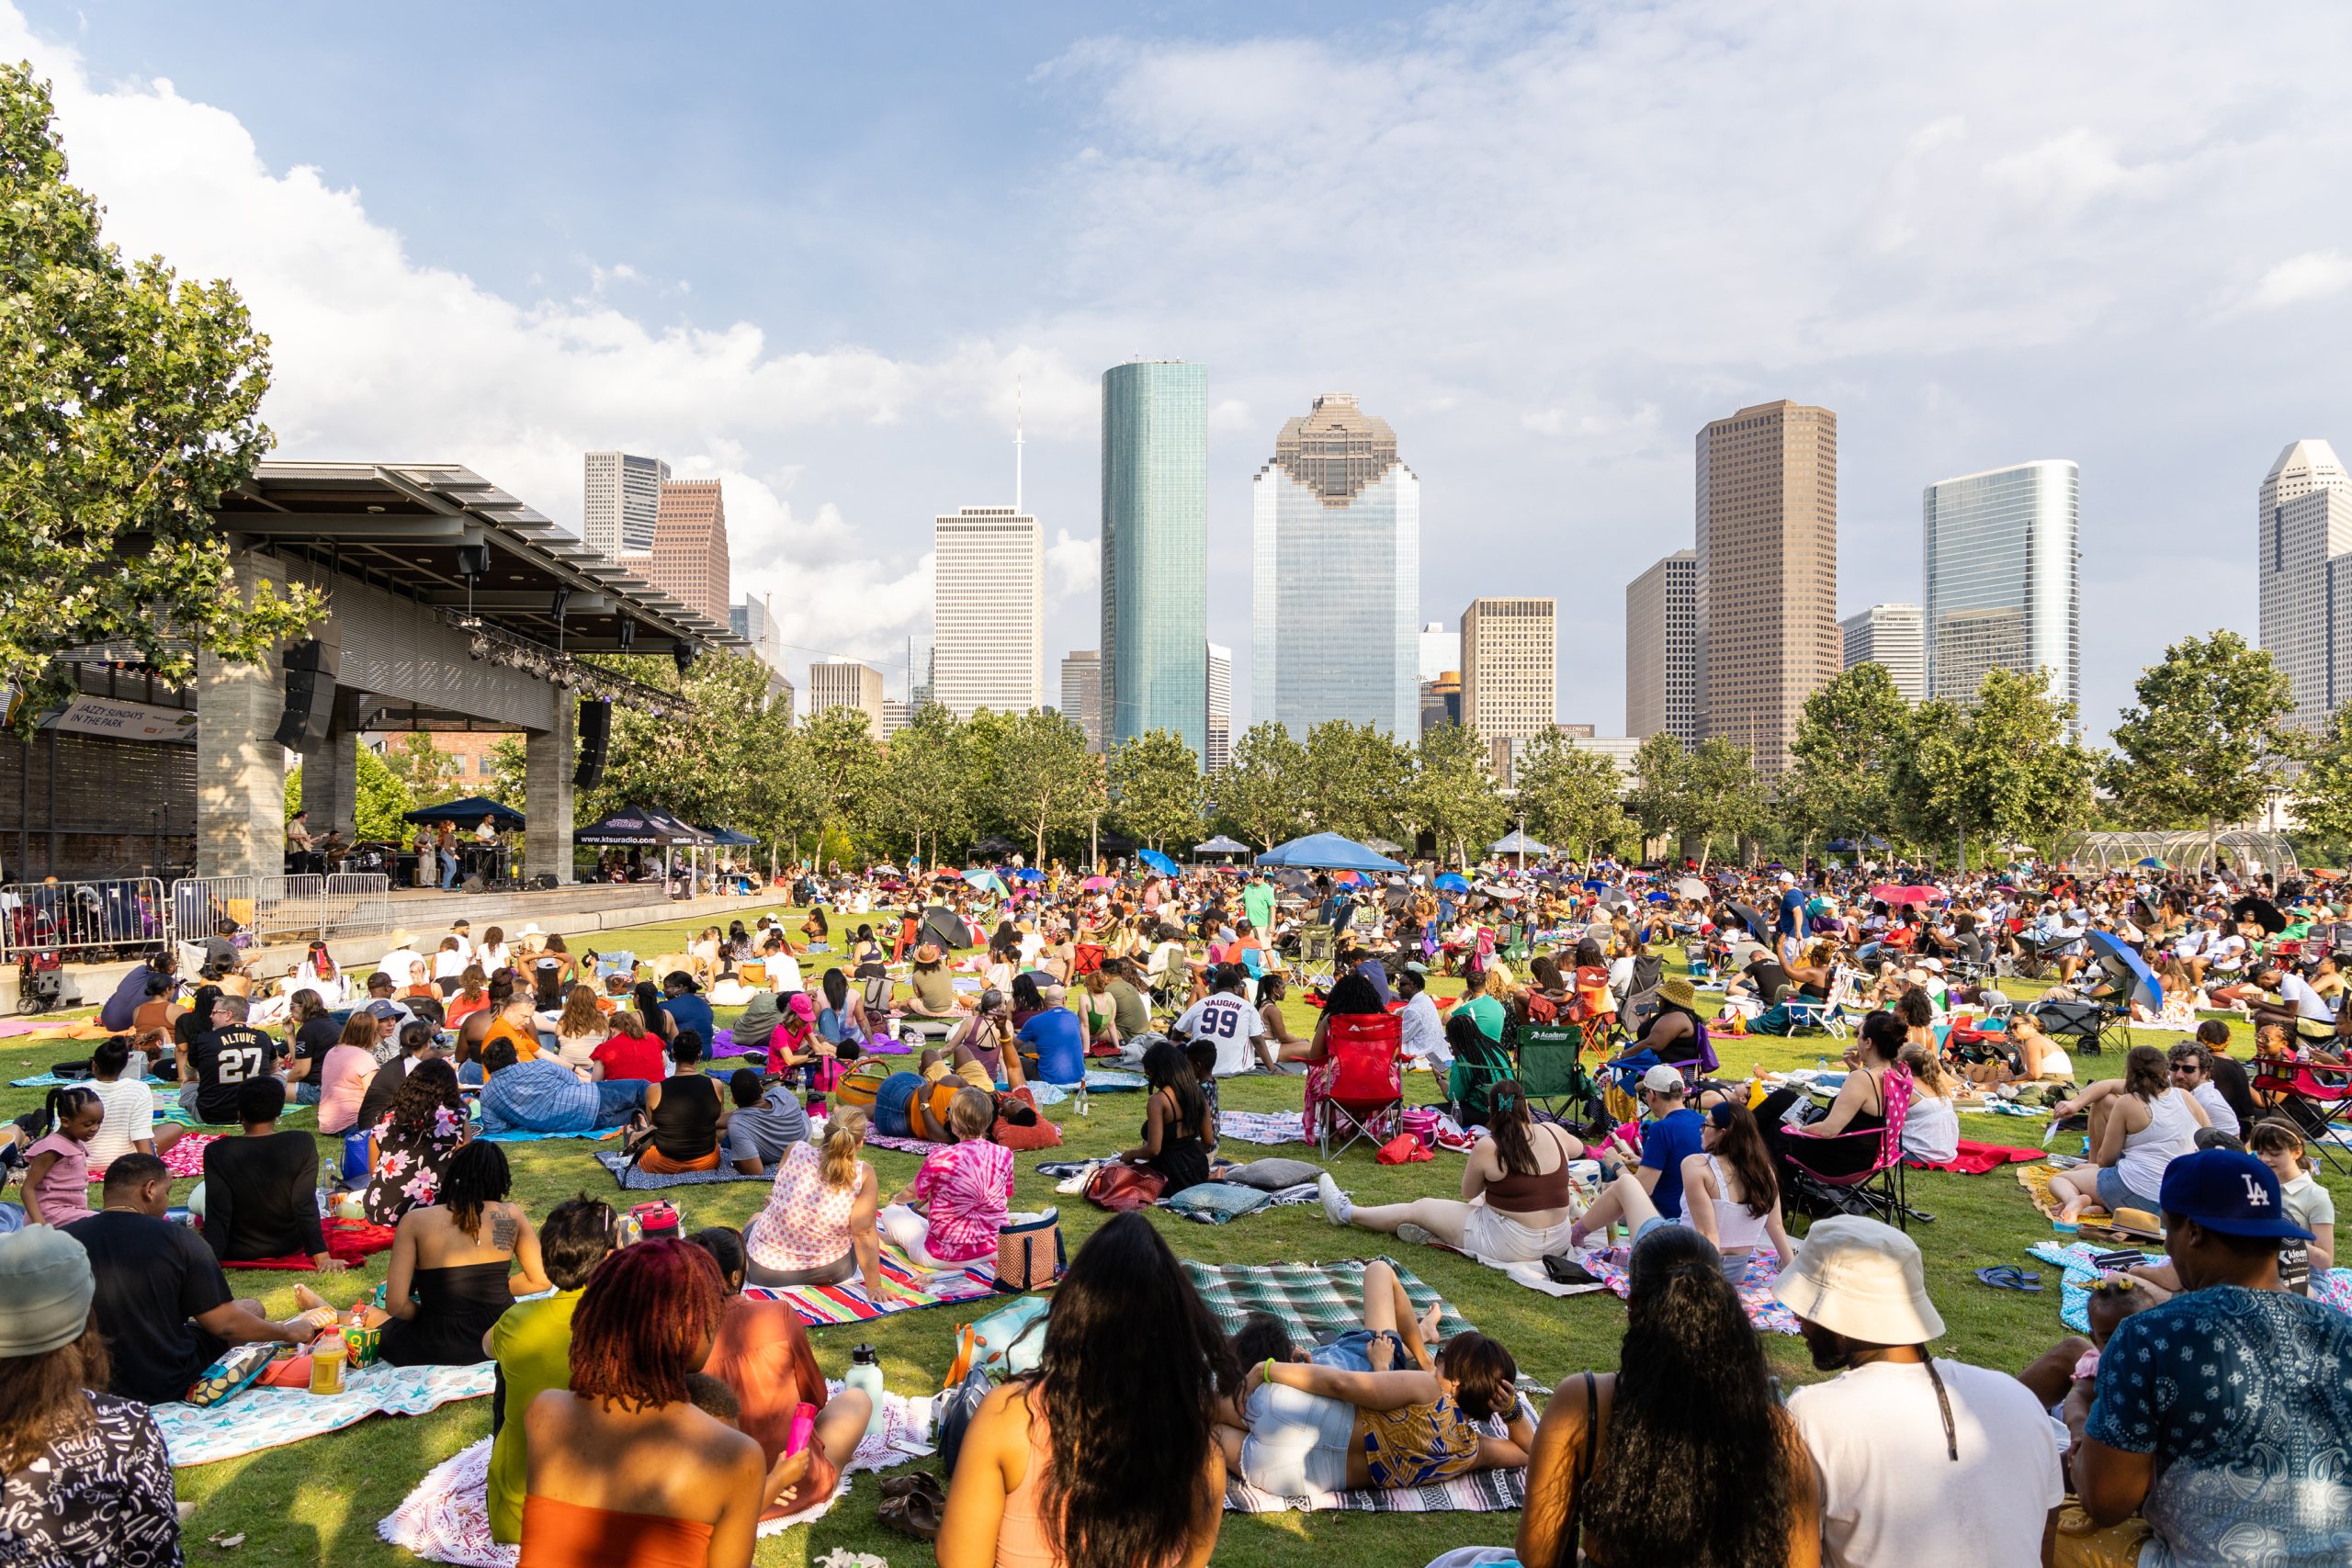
1551,1070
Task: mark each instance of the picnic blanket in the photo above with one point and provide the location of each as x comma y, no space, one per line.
2035,1180
261,1419
1480,1492
626,1175
184,1158
524,1137
2331,1287
446,1518
904,1288
1099,1080
1975,1158
1764,1309
348,1241
903,1145
1262,1126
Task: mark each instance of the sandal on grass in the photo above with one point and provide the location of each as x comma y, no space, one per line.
2009,1276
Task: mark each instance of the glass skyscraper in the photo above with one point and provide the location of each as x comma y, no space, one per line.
1155,551
1335,606
2004,578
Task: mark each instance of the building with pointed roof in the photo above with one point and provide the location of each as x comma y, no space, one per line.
2305,537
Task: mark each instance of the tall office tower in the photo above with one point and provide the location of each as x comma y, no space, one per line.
1220,747
1509,669
1440,651
754,621
1081,694
620,502
894,718
2003,579
1335,601
688,561
846,684
1441,698
1662,649
1154,550
989,598
1768,573
2305,535
1893,636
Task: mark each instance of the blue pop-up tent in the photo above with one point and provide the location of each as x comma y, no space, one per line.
1328,852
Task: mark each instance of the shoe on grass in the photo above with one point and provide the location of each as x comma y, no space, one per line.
1336,1207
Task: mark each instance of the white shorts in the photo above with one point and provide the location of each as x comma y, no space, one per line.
1496,1237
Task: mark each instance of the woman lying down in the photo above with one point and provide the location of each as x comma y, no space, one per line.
1376,1407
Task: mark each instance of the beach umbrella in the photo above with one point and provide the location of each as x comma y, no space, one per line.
1754,920
1028,874
2251,907
1452,882
2144,986
1159,862
2153,863
985,879
1328,852
1095,884
1897,894
1691,887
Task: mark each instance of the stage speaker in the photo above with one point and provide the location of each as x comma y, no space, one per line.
310,695
595,729
473,561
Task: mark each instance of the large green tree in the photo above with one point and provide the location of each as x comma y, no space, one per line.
381,801
1658,800
844,768
925,781
1157,794
429,774
1724,796
1257,791
2324,789
1356,780
133,404
2005,767
1847,737
716,765
2209,738
1571,796
1047,778
1454,795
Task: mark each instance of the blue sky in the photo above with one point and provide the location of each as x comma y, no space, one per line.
814,249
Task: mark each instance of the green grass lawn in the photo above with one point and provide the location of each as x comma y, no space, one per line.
320,1500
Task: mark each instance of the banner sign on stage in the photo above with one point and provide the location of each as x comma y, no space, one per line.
125,721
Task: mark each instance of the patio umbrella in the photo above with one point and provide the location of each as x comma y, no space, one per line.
1328,852
1221,845
1452,882
1382,846
1517,843
1691,887
1096,884
1159,862
1028,874
987,879
2144,987
1897,894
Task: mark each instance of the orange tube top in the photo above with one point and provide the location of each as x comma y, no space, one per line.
565,1535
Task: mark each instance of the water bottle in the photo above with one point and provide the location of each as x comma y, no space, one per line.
865,1375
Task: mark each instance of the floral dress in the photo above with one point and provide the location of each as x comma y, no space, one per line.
410,1163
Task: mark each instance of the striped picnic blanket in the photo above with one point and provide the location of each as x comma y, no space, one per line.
1262,1126
904,1288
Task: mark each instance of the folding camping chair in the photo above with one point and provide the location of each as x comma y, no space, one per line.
1827,1013
1318,954
1513,946
1879,1189
1551,1072
2316,1097
1364,1095
1470,1081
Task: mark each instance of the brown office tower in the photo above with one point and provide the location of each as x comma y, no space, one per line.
1767,574
688,561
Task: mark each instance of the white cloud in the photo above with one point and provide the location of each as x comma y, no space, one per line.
2299,280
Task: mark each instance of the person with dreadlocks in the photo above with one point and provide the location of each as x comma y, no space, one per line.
1924,1460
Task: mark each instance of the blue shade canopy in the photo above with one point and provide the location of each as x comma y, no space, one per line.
1328,852
1165,864
468,813
2143,988
1452,882
729,838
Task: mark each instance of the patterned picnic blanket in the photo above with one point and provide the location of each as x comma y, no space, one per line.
184,1158
904,1288
1262,1126
539,1137
1764,1308
446,1518
636,1180
261,1419
2331,1288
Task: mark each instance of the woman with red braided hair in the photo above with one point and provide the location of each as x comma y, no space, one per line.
624,1471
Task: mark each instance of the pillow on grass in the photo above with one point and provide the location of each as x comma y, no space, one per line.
1272,1175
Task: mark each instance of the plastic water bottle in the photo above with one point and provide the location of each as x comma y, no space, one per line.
865,1375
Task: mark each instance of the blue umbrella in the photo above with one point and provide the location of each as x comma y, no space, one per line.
1593,886
1328,852
1028,874
986,878
1159,862
2145,988
1452,882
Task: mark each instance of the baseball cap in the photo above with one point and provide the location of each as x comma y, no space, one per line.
2224,1191
1663,1079
1788,879
382,1010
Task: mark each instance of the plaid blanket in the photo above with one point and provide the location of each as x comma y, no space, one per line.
1262,1126
904,1289
261,1419
630,1177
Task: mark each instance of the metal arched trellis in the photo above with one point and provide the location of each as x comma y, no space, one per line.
2242,849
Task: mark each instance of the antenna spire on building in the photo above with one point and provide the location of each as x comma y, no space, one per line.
1016,447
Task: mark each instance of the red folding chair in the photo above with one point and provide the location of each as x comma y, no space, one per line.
1878,1188
2317,1098
1362,1083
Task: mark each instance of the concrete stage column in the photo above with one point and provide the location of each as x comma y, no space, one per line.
547,764
330,783
240,768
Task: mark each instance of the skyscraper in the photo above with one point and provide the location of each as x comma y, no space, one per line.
1440,651
1220,747
1662,649
1893,637
2305,539
754,621
1154,550
2004,578
1336,575
1081,694
988,598
1511,673
1768,573
688,561
620,500
846,684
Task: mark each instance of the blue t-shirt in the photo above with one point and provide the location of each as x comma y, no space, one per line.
1665,1144
1792,910
690,1012
2244,1398
1060,1042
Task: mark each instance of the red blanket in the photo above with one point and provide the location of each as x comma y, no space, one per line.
1975,1158
348,1241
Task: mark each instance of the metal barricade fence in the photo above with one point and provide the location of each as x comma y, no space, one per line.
356,903
266,908
83,922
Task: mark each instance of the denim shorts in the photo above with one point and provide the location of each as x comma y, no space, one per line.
2114,1195
1735,1264
1351,1351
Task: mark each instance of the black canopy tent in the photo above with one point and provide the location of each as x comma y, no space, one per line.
469,814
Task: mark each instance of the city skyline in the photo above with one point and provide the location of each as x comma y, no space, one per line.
2036,232
1155,546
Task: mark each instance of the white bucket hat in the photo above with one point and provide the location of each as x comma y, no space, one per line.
1863,1279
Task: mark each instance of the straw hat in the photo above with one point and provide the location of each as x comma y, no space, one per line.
1676,988
1861,1279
